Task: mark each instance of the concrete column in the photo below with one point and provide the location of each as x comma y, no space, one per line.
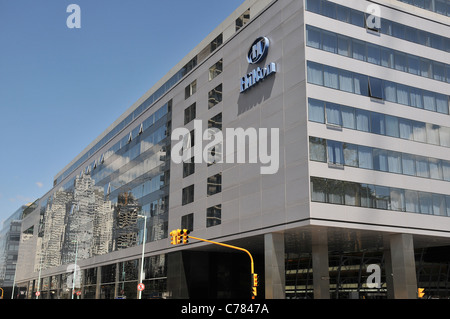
98,282
321,276
403,266
275,273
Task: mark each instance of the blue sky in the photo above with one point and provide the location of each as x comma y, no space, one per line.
60,88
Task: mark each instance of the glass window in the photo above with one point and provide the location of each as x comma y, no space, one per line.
439,207
442,103
215,121
402,94
397,199
380,160
345,81
352,195
425,68
365,157
377,124
343,14
187,222
214,215
189,113
390,91
439,71
329,9
398,30
419,131
361,84
329,41
444,136
425,202
348,117
446,170
330,77
335,192
335,154
313,5
350,154
375,88
408,164
359,50
318,190
394,162
313,37
190,89
315,73
188,195
214,184
411,34
435,168
447,203
188,167
387,58
432,134
362,120
215,96
429,102
357,18
400,61
382,197
216,69
386,27
316,111
422,166
413,64
317,149
415,98
411,201
344,45
392,126
333,114
367,195
373,54
405,128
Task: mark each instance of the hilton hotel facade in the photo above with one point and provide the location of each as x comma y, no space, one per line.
355,97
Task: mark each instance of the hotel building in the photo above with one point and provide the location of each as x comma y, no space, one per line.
355,95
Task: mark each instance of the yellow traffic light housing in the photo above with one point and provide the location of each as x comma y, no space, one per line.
172,237
185,233
420,292
178,236
255,280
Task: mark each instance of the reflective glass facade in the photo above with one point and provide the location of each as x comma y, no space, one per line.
364,163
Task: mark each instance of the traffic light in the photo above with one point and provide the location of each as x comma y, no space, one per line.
175,237
178,239
185,233
255,280
420,292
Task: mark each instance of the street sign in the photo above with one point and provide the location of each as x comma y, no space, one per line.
78,293
38,293
140,287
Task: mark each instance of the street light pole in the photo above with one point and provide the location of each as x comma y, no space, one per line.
75,269
142,258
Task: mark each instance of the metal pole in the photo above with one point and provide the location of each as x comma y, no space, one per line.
142,258
75,269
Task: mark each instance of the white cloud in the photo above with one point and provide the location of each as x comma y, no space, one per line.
39,184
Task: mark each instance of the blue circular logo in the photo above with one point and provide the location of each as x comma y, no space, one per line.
258,50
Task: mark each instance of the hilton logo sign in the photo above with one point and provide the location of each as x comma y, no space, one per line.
256,53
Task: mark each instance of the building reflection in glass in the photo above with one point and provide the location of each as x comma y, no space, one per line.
96,211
